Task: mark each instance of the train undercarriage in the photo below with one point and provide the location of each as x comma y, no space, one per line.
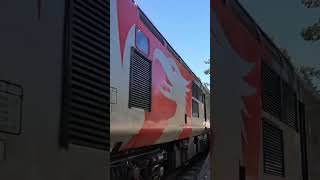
157,161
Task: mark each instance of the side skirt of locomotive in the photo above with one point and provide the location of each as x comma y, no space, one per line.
157,161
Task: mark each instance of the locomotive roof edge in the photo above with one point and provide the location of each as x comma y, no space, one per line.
262,33
283,58
176,55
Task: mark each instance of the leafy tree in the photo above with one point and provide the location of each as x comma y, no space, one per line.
312,32
207,72
309,74
311,3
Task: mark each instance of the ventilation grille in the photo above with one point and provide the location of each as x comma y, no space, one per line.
271,91
113,95
278,98
304,141
150,26
10,107
195,108
140,81
289,106
197,92
273,150
87,71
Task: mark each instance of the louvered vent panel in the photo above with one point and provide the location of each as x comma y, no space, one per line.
87,88
289,106
140,81
271,91
10,107
273,150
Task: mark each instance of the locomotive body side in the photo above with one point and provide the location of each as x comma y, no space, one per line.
310,131
170,115
261,97
32,69
157,104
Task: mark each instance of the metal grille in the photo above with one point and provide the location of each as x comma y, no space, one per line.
113,95
289,106
140,81
304,141
271,91
195,91
195,108
10,107
273,149
85,119
150,26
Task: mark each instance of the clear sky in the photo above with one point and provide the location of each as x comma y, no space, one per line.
186,26
284,21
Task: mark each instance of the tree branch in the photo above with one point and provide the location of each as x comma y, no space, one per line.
311,3
312,33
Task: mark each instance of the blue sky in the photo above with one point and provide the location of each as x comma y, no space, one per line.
186,26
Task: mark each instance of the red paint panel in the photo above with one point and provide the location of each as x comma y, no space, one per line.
162,108
251,51
127,17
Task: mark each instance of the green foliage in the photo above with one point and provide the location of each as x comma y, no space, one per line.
312,32
311,3
207,71
309,74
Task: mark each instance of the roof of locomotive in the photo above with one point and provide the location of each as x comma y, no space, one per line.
258,30
283,59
